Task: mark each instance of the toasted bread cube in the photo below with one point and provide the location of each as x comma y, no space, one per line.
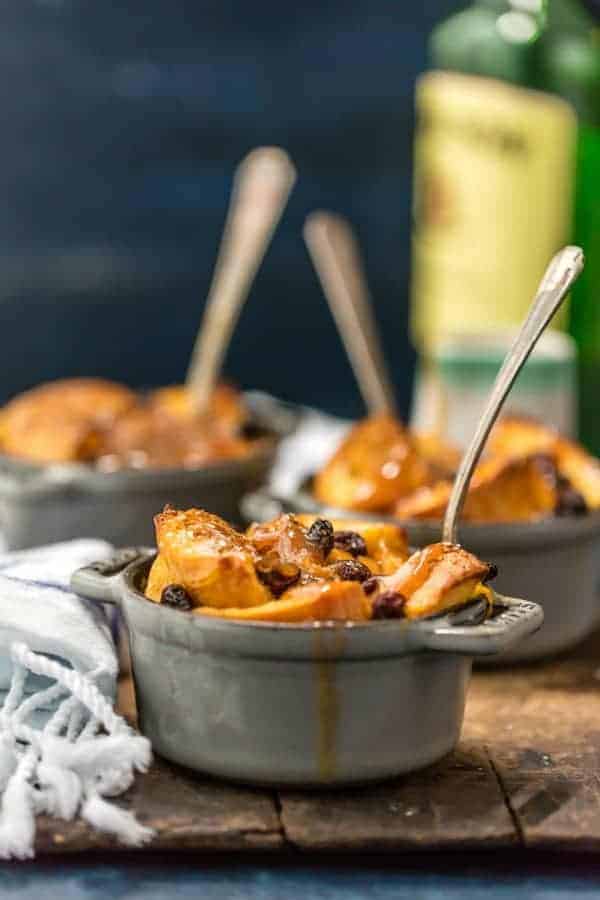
501,490
581,469
442,457
335,600
286,536
438,578
176,402
62,421
374,465
209,558
519,435
158,578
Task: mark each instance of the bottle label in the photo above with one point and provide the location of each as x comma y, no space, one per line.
494,173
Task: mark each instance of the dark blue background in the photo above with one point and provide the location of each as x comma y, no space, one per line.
121,126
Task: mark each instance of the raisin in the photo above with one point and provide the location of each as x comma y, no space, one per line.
176,596
252,431
570,502
370,585
352,570
320,535
278,576
492,573
351,542
389,605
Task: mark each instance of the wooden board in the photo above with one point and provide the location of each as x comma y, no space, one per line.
186,812
526,775
541,730
452,804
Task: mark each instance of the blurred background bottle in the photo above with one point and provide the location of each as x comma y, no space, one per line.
495,160
570,66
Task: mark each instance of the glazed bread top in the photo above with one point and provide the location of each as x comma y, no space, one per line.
298,569
529,472
91,420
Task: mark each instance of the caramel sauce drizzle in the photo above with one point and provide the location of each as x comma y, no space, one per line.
426,562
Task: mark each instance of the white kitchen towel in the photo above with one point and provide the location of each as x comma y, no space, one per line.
63,749
306,450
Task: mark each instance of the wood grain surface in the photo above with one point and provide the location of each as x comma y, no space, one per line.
525,775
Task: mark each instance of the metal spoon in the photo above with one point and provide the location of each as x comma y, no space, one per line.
561,273
336,258
262,185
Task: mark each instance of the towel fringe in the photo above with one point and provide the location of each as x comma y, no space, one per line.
65,774
62,790
111,819
8,760
17,822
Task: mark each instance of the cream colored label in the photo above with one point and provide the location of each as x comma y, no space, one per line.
494,171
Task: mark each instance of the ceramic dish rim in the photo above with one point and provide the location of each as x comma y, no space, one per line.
548,531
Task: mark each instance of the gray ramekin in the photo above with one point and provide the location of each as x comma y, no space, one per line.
43,504
311,704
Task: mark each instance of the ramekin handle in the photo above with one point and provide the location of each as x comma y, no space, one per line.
516,621
99,580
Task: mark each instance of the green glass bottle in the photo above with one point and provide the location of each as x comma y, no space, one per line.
495,38
552,47
570,66
494,173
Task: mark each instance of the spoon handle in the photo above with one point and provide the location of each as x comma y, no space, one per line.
336,258
262,184
562,271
